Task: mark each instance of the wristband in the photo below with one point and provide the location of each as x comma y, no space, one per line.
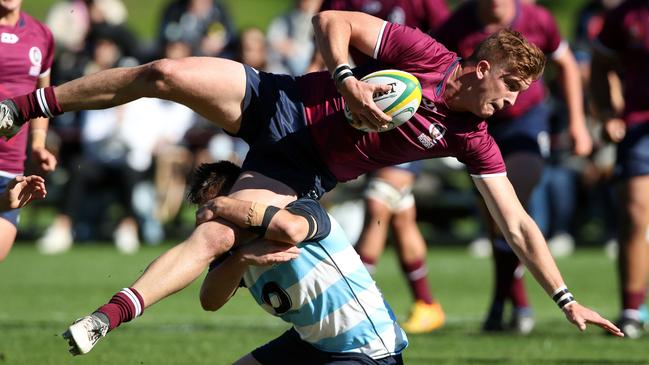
562,296
341,72
339,80
340,68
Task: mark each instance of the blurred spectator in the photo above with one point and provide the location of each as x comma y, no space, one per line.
26,54
117,153
290,39
252,49
623,47
205,24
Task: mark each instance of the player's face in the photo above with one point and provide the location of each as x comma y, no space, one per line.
10,5
497,89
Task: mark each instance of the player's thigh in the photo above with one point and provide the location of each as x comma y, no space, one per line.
247,360
636,199
7,237
524,170
397,177
213,87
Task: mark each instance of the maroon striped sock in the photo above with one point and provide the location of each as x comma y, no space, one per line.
517,290
123,307
632,299
38,103
370,264
417,275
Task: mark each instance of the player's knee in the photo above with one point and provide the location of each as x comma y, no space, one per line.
213,238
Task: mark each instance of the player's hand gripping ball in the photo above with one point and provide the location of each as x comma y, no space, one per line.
401,102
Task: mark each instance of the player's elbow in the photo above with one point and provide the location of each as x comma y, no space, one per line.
322,18
293,231
160,75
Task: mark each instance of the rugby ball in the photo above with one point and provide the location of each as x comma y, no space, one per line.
401,102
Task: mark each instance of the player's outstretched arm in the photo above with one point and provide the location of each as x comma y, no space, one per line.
525,238
21,191
335,31
225,274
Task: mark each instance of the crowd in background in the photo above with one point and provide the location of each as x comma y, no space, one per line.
139,155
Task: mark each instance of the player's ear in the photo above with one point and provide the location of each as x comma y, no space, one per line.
482,68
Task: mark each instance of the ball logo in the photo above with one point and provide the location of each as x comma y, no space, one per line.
378,96
36,58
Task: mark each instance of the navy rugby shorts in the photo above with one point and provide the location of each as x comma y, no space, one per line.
274,126
526,133
10,215
633,152
290,349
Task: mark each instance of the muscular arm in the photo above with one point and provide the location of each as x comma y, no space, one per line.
571,84
335,32
284,226
525,238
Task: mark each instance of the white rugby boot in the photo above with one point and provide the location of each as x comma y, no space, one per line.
84,334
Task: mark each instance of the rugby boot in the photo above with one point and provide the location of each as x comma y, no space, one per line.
85,332
424,318
10,120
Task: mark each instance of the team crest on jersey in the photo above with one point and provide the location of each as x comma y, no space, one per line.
9,38
436,133
36,58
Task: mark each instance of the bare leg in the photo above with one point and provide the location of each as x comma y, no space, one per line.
213,87
411,245
634,238
374,234
7,237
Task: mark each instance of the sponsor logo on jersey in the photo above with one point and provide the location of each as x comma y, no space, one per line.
36,58
9,38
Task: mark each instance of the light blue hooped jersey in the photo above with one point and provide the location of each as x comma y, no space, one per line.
330,298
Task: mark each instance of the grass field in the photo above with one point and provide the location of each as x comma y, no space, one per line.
40,295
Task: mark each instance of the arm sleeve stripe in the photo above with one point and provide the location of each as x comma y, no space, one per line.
484,176
377,47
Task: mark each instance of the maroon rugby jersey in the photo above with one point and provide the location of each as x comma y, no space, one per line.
26,53
422,14
463,31
434,131
626,31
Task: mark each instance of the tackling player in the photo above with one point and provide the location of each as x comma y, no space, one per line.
337,312
26,53
301,143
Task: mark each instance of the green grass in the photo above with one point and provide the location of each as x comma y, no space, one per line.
40,295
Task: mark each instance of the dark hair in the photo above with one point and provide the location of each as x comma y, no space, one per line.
509,49
210,180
